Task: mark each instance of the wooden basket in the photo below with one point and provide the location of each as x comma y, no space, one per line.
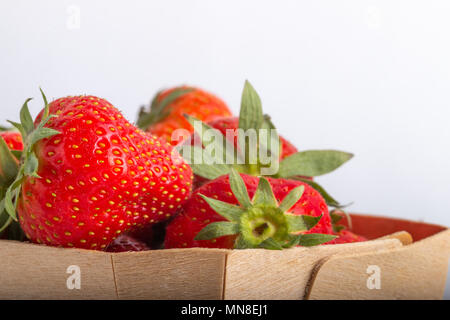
404,269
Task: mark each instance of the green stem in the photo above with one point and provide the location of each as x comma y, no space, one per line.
253,169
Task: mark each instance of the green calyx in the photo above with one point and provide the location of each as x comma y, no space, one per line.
13,172
158,108
258,150
261,222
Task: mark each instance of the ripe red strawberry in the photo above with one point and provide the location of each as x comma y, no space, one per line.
13,139
126,243
169,106
95,177
346,236
256,221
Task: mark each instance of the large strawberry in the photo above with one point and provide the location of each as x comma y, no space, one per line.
250,144
87,175
168,107
243,211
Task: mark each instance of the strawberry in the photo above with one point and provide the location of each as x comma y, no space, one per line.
13,139
167,109
250,144
125,243
346,236
281,213
87,175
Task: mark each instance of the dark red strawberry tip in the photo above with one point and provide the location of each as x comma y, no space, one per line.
143,233
125,243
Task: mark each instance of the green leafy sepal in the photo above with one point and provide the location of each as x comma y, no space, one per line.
260,155
261,222
28,165
158,108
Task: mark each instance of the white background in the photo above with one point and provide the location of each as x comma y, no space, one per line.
370,77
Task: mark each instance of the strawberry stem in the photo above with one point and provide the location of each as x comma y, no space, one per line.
261,223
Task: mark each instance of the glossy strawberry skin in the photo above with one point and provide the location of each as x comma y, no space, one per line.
99,177
196,213
125,243
232,123
13,140
198,103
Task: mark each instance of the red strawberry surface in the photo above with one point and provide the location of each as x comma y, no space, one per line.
13,140
193,101
125,243
197,213
99,177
